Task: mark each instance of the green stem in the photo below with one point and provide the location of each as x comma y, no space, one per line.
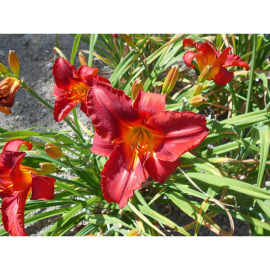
33,93
235,104
76,122
251,77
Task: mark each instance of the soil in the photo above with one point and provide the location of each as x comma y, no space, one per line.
36,60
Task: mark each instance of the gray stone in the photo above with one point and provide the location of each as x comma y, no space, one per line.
49,65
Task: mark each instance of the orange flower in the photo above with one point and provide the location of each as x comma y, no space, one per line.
16,183
207,55
8,89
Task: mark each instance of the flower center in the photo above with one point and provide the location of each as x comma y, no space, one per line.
78,93
139,140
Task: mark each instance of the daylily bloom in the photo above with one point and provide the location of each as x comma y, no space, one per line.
207,55
8,89
16,183
71,86
140,140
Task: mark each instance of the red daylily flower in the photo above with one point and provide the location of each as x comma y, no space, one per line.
16,183
140,140
71,86
208,55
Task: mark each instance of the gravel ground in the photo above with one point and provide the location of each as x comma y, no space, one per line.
36,60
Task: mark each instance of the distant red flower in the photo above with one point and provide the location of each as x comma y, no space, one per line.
16,183
208,55
71,86
140,140
114,35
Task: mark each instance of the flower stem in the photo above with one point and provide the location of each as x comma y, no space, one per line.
26,87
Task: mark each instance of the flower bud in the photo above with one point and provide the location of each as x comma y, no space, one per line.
170,80
198,89
205,74
4,70
83,60
90,235
197,100
128,40
13,62
53,151
47,167
136,87
134,232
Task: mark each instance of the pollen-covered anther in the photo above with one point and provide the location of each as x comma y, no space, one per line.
78,93
139,141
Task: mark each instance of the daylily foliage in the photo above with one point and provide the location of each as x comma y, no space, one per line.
147,137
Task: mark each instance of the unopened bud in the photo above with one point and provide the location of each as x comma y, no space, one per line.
14,64
136,87
197,100
198,89
205,86
134,232
170,80
90,235
83,60
4,70
47,167
205,74
53,151
128,40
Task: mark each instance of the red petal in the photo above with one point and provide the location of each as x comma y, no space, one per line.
12,176
147,104
63,106
190,42
64,74
14,145
233,60
83,106
12,209
223,56
7,161
19,173
223,76
84,71
101,147
117,180
206,48
209,52
43,187
91,80
215,69
57,91
160,170
175,133
111,111
189,56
